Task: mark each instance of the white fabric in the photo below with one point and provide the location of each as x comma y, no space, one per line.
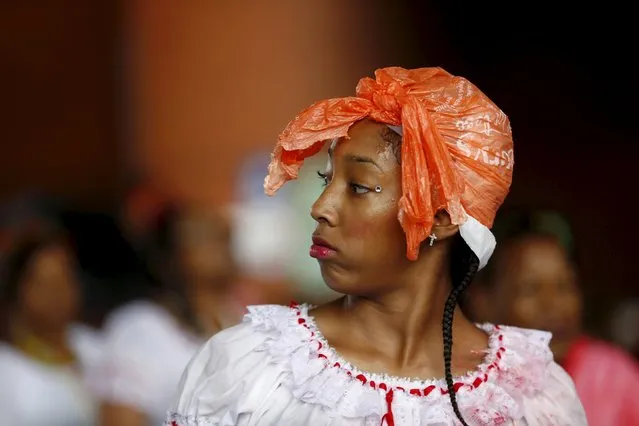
36,394
276,369
146,351
478,237
262,242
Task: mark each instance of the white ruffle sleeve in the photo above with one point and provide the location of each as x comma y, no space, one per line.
276,369
556,404
146,352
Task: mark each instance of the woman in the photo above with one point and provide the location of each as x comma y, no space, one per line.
533,282
150,341
44,354
402,226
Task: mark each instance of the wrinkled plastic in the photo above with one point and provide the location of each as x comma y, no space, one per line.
457,149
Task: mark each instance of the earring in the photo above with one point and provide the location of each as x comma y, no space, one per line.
432,237
378,188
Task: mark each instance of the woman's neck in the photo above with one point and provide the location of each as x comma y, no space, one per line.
404,326
46,344
210,304
405,320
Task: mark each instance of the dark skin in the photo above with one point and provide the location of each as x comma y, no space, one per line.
204,248
393,308
534,285
48,298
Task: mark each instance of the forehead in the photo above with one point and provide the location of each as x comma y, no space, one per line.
49,258
365,140
52,251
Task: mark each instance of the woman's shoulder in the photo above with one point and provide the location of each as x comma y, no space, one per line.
557,403
136,312
12,361
258,350
139,322
262,323
548,394
87,342
608,356
143,330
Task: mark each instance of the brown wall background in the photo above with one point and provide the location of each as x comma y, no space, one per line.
216,81
59,82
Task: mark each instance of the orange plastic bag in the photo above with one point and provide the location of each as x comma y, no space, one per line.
457,147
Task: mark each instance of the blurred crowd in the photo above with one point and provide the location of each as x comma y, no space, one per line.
100,313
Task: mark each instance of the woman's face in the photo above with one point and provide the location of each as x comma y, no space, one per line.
359,223
535,283
49,295
204,245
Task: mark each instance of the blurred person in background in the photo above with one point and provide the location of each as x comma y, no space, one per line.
44,354
149,341
263,237
533,282
624,325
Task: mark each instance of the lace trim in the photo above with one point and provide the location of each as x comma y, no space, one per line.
417,387
175,419
516,364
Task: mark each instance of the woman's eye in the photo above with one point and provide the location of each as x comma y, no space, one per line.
354,187
359,189
323,177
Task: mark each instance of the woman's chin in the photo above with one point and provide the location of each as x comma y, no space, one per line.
337,279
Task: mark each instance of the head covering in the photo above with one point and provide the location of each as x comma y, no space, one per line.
457,148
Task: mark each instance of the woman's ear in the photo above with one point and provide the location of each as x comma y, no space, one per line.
443,228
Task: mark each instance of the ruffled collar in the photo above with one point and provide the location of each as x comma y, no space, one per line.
515,366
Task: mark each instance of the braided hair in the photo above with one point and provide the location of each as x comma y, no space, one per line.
464,266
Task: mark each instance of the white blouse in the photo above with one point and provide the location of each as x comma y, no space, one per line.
146,351
34,394
277,369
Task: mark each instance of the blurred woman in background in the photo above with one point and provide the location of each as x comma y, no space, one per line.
44,354
149,341
533,282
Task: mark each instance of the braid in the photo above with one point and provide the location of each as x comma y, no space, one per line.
471,264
